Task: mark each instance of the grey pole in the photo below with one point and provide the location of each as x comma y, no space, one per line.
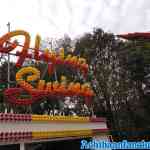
22,146
8,68
55,73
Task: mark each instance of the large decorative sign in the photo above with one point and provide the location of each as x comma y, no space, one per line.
44,89
28,78
51,58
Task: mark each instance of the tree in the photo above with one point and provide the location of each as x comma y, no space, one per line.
116,93
137,59
64,42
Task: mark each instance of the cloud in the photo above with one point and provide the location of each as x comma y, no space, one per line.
74,17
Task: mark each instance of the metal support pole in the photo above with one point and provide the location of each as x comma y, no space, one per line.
55,73
8,61
22,146
8,71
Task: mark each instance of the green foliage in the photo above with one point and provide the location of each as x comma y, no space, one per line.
117,72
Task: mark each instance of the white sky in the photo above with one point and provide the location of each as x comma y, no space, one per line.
53,18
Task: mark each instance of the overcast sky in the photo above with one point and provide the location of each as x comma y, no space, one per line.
53,18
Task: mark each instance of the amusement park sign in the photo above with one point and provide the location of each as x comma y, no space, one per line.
46,56
49,89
